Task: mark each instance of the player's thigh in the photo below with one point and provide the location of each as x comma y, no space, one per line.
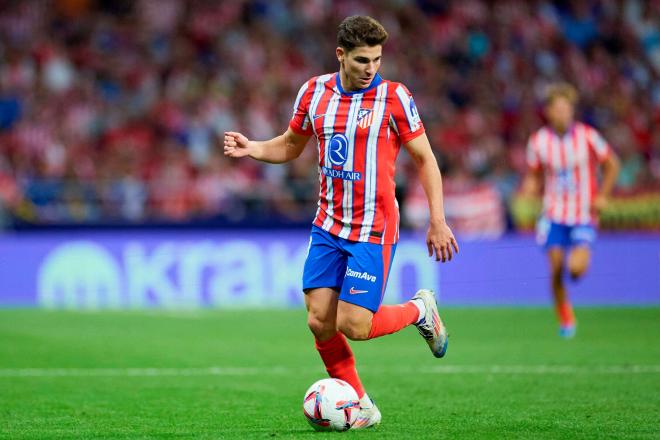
354,320
322,303
367,271
325,264
579,259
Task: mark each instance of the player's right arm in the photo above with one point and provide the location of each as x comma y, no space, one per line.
531,184
280,149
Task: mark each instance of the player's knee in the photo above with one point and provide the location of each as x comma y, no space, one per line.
322,329
354,329
577,270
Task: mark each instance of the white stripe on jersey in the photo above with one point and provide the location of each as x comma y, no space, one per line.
392,123
584,176
413,120
319,89
599,144
371,168
571,181
301,93
351,127
328,131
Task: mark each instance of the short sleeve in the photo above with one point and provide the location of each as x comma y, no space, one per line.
404,117
300,122
598,144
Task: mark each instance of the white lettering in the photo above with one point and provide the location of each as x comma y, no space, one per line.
148,274
79,274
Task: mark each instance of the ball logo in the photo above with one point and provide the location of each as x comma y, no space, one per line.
338,149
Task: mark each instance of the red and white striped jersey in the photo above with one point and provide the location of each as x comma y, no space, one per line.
359,135
569,162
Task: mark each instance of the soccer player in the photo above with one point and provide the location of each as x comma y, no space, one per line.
566,155
360,121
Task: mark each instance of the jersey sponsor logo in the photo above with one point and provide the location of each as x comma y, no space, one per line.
341,174
360,275
565,180
354,291
365,117
338,149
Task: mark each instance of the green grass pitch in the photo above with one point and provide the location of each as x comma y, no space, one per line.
242,374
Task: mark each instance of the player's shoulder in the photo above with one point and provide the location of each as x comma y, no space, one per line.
542,131
586,127
396,87
327,78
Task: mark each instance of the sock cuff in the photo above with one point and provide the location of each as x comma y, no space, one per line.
333,341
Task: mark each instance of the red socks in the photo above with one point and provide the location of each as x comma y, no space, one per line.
565,313
391,319
337,354
339,361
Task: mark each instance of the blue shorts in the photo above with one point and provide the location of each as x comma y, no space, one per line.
357,270
550,234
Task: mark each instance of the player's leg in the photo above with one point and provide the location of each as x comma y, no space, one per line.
324,269
360,324
332,345
555,238
360,315
581,238
578,261
563,306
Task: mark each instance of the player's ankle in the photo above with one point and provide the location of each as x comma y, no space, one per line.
421,307
365,401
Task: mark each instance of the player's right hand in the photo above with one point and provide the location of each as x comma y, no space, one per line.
236,145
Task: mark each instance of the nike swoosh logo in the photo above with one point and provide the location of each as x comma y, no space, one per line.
318,116
354,291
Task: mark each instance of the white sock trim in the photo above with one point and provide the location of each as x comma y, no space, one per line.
420,306
365,401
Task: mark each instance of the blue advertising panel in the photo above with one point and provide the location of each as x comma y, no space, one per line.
225,269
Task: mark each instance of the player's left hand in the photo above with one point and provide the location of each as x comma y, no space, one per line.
599,203
440,239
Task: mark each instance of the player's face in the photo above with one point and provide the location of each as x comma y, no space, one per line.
359,66
560,113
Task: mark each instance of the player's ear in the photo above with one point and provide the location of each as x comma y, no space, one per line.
340,54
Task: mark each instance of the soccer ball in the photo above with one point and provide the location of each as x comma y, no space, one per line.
331,405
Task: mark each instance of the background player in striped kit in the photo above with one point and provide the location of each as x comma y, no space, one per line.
564,156
360,122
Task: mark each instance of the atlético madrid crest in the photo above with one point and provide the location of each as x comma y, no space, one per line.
364,117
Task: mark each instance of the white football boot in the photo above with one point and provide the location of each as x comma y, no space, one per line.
369,415
431,326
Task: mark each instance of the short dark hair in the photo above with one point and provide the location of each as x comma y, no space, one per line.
360,30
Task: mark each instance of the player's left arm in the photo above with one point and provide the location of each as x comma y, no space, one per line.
610,167
439,238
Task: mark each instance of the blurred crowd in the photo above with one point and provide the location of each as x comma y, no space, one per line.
112,111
